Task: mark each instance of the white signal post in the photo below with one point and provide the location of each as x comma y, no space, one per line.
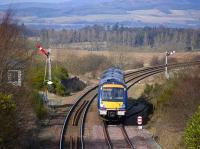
49,68
139,122
48,63
166,62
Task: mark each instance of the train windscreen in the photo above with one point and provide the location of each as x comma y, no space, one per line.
115,94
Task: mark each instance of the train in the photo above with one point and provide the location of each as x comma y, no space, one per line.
112,95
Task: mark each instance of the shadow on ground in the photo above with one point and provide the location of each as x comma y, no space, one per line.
139,107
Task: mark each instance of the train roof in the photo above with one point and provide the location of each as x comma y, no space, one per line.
112,75
114,70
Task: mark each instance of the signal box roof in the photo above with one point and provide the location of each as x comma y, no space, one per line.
112,75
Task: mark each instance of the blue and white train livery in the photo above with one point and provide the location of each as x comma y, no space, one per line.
112,95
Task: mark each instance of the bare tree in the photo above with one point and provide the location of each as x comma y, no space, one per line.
12,45
13,52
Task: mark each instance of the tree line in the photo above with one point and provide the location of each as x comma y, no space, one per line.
157,38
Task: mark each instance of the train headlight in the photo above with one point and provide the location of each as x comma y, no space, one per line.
102,105
120,112
102,112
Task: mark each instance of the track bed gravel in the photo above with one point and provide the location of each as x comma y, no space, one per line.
49,135
93,135
141,139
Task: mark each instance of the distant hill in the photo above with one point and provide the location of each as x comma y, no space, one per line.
182,13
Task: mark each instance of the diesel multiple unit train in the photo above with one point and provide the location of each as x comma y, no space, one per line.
112,95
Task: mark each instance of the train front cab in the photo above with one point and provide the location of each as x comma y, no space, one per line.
112,101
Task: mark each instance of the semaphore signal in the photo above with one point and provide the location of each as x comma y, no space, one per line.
48,63
167,54
42,50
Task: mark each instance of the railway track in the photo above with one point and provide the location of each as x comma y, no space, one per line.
70,134
73,127
116,144
127,143
160,67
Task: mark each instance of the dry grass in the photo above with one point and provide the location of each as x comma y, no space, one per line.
146,57
170,118
81,62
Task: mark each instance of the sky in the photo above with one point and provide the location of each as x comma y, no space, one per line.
176,13
21,1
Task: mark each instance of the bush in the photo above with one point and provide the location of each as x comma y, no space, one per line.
175,101
8,124
92,62
148,89
159,94
196,58
133,64
59,88
166,93
156,61
95,63
37,78
6,103
58,74
38,105
192,131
